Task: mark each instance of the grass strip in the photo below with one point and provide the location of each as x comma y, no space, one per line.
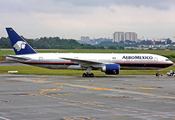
32,70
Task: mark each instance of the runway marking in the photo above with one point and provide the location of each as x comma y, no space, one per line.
164,116
125,110
108,106
117,116
9,81
67,94
55,89
39,80
101,105
154,115
93,104
143,113
98,88
133,111
80,118
4,118
145,87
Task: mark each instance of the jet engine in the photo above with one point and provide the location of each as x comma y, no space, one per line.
111,69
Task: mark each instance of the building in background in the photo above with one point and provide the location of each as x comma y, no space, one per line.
121,36
85,39
132,36
118,36
173,40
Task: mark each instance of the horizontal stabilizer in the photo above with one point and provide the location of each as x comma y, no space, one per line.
16,58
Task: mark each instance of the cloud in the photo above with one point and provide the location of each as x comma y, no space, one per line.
94,18
158,4
65,6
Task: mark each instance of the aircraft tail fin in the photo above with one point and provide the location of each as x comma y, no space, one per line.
19,45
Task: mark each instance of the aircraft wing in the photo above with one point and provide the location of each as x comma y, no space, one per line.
85,62
78,60
17,58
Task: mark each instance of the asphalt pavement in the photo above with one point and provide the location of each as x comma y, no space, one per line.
43,97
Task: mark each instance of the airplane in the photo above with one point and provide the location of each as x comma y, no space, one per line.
109,63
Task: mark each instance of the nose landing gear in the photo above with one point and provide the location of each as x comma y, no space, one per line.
157,74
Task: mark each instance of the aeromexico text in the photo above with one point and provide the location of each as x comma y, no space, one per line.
137,57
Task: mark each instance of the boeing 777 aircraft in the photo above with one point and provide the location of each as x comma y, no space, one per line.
108,63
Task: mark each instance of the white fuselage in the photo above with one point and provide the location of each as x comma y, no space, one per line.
126,61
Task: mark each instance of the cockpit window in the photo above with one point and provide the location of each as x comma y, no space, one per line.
167,60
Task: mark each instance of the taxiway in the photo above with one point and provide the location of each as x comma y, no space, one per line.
36,97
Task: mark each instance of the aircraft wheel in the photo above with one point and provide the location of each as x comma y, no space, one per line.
88,75
157,74
84,75
92,75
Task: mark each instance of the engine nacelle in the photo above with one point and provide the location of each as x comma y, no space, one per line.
111,69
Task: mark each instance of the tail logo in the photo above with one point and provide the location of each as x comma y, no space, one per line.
19,45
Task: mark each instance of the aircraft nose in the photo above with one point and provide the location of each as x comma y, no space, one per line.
171,63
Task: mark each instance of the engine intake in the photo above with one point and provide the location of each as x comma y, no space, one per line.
111,69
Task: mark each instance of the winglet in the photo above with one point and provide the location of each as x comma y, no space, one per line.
19,45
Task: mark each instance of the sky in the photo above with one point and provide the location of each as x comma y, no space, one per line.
72,19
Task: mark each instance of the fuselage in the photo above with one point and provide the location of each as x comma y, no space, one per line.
125,60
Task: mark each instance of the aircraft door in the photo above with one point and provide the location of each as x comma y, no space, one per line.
155,59
41,59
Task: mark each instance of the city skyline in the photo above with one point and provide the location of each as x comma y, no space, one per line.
72,19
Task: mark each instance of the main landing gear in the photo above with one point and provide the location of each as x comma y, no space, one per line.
88,73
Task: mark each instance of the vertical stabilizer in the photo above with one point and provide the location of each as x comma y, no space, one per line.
19,45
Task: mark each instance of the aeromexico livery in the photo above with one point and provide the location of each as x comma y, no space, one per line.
108,63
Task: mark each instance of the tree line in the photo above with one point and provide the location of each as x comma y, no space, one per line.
55,43
49,43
